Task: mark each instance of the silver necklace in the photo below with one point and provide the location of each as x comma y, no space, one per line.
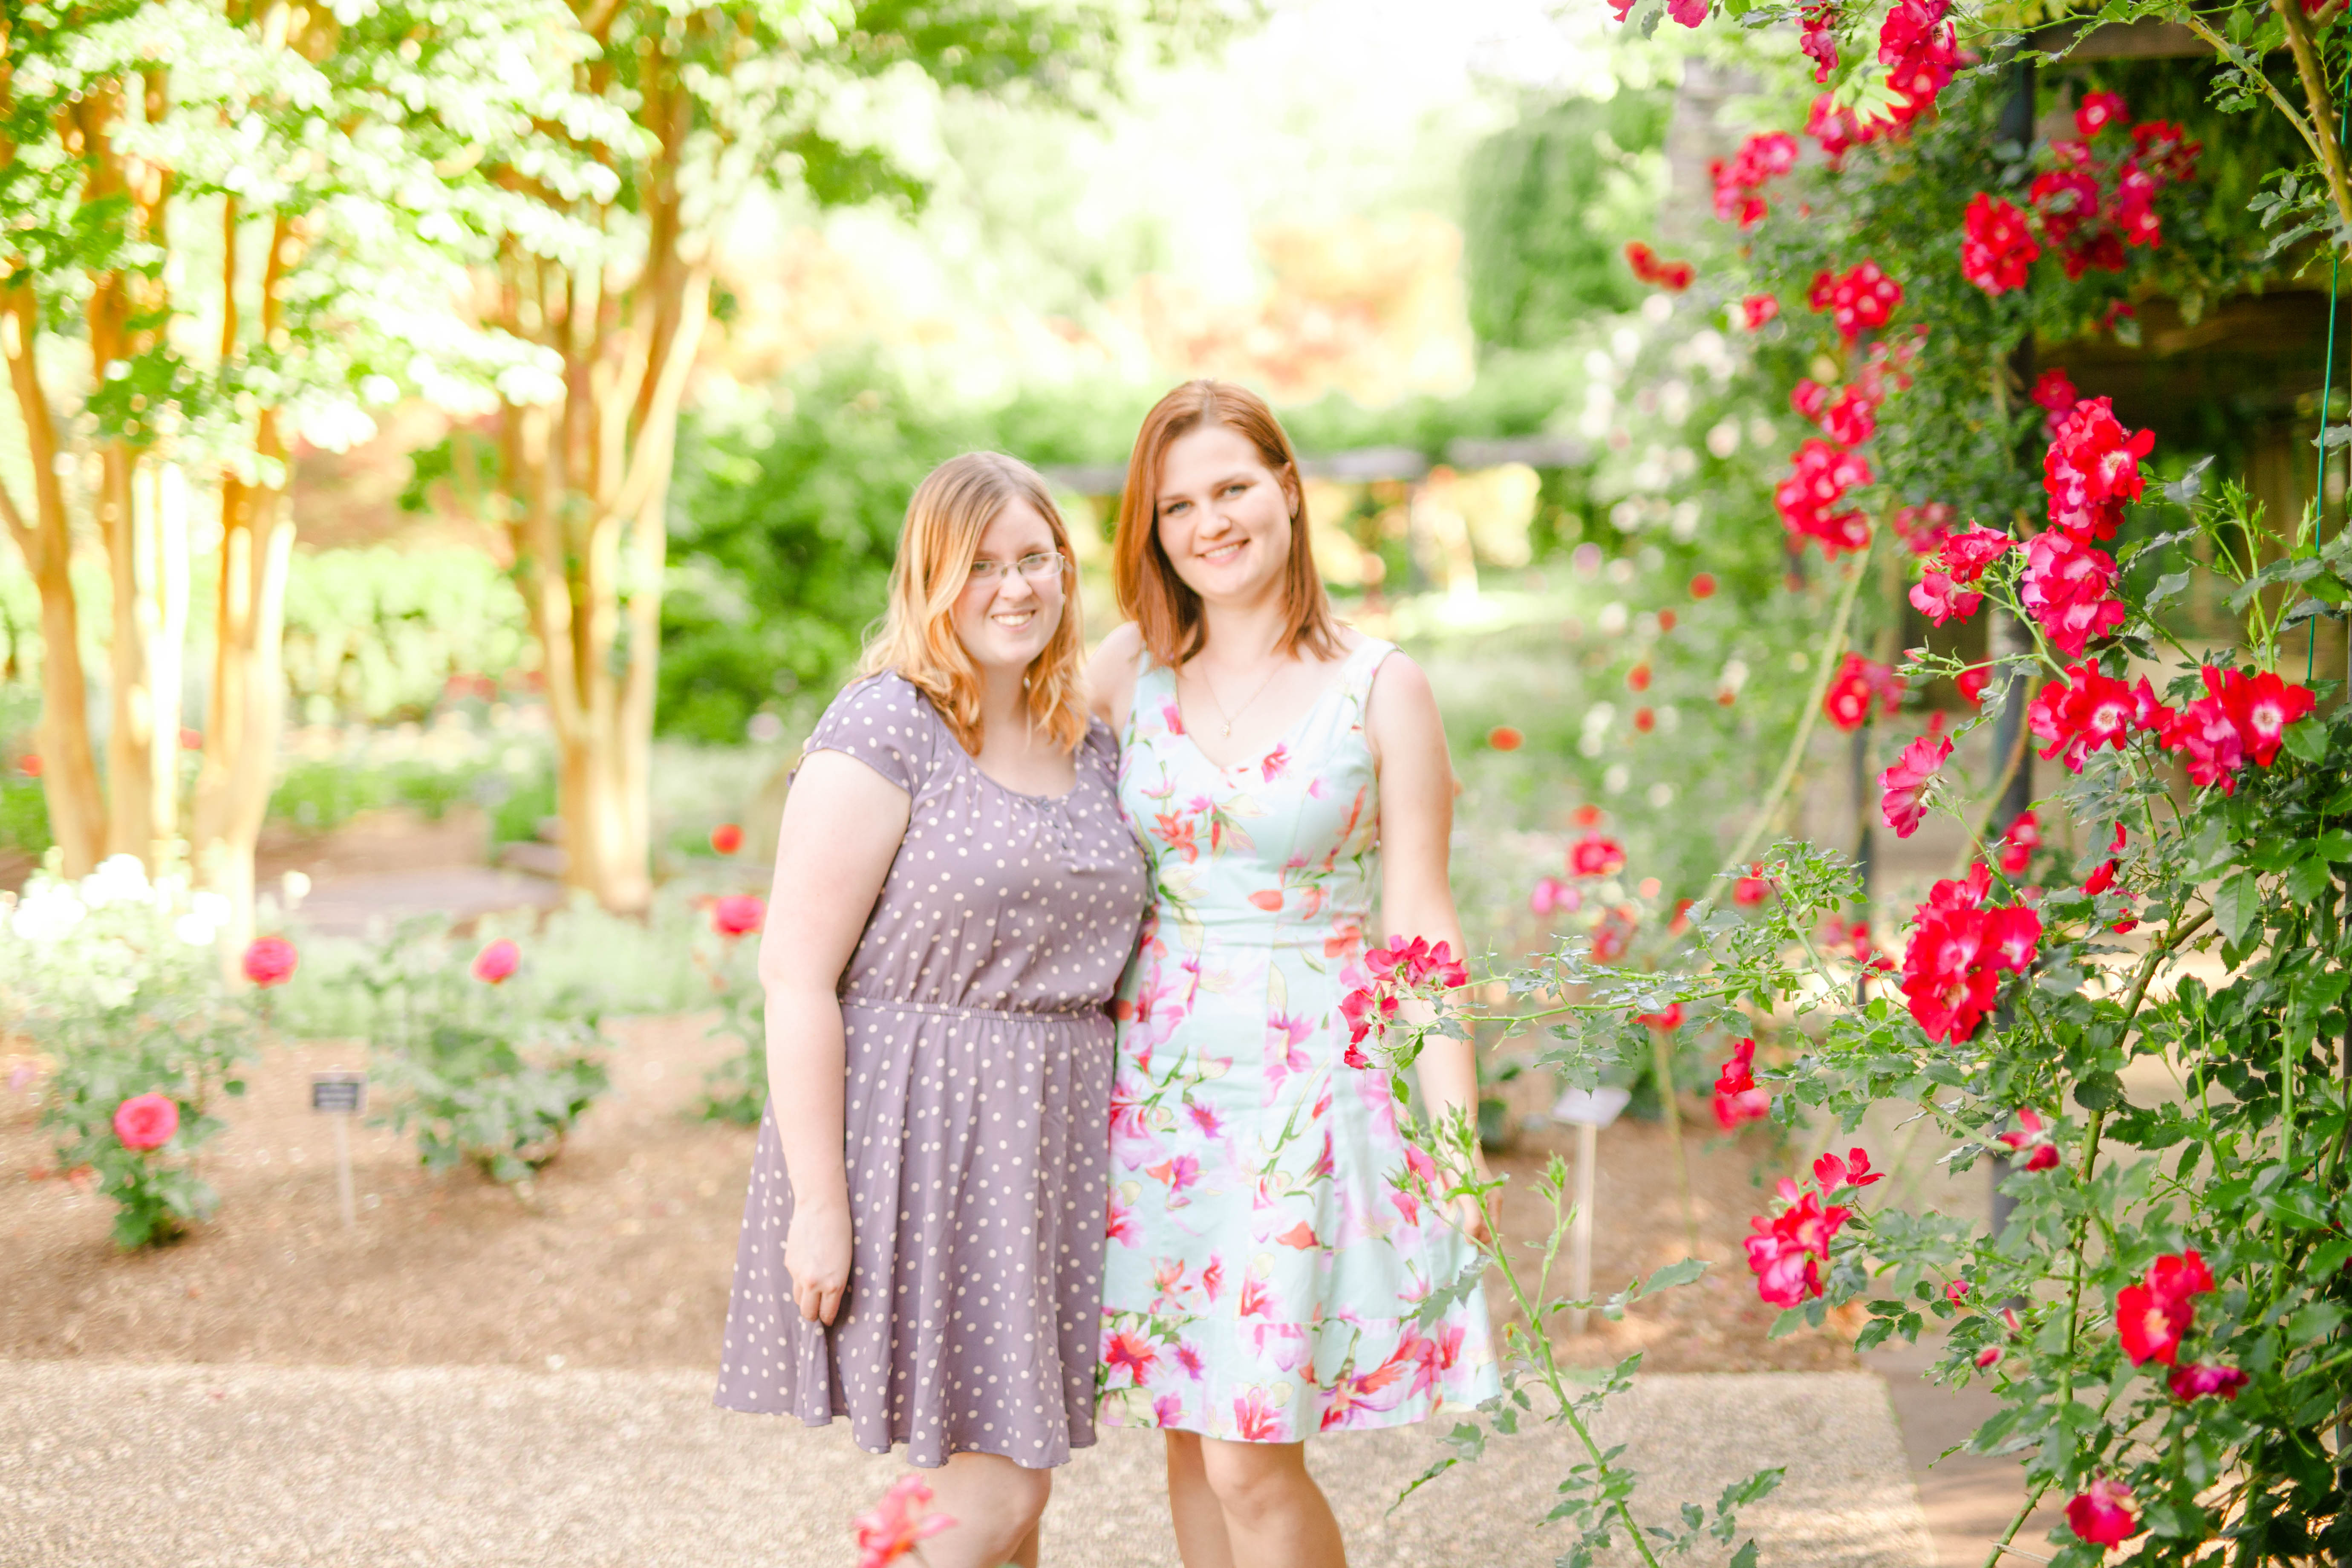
1210,687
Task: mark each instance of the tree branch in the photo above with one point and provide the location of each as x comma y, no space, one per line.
2323,113
1833,645
2254,69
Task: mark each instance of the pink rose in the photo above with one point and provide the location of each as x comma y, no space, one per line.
269,961
146,1122
496,962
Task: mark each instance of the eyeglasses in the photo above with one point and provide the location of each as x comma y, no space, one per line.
1038,566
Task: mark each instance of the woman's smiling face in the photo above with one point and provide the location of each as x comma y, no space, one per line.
1224,517
1005,621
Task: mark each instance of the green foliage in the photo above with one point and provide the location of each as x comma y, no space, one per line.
24,814
736,1090
475,1072
379,634
781,537
1549,206
117,980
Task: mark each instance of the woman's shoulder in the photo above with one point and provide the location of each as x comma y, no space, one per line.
884,720
880,698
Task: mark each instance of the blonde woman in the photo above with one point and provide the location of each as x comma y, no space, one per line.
955,896
1289,779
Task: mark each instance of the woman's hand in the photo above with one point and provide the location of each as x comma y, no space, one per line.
816,1254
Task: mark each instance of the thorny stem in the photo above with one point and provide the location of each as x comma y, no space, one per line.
1833,644
2024,1512
1547,1366
2147,968
1661,1054
1976,844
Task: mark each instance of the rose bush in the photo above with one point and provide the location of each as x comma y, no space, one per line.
478,1071
117,978
727,956
2160,1312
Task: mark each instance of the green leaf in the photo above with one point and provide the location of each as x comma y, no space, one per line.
1746,1556
2165,588
2236,906
2327,1257
2307,880
2306,739
2295,1208
2315,1323
2099,1091
2335,845
1674,1274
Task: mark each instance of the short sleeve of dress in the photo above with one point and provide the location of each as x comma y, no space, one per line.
884,723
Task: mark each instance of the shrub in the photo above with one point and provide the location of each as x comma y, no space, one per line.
727,950
116,978
476,1072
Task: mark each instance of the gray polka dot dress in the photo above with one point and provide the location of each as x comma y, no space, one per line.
976,1117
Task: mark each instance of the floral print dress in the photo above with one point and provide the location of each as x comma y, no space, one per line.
1265,1267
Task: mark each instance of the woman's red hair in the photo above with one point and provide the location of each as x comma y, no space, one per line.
1165,611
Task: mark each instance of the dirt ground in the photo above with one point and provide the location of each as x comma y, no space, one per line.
620,1254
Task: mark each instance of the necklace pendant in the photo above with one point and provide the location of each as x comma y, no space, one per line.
1228,729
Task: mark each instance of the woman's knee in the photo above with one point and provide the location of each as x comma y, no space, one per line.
1014,1495
1252,1479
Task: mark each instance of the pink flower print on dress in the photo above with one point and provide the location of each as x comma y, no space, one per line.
1283,1344
1378,1390
1172,717
1119,1222
1204,1118
1177,833
1256,1419
1188,1359
1132,1353
1430,1356
1275,763
1168,1410
1178,1171
1168,1277
1212,1279
1283,1038
1129,1129
1255,1301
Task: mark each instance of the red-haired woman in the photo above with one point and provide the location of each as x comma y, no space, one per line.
1285,772
955,897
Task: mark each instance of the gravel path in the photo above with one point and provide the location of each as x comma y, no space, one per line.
135,1466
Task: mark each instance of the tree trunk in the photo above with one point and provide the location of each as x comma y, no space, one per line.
141,512
247,713
249,689
69,762
143,518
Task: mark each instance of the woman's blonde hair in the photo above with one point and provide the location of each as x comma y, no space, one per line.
917,638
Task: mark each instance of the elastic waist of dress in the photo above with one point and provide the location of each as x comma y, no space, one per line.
949,1010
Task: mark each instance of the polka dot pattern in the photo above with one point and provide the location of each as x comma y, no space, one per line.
978,1054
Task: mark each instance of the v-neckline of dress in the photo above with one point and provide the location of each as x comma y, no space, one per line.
1337,685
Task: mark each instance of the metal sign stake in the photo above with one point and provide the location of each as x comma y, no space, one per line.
1590,1111
341,1095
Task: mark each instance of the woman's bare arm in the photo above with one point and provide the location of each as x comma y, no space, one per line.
1110,675
842,828
1417,825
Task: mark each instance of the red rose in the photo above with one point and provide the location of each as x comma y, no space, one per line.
726,838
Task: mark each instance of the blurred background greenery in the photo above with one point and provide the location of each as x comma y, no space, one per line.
1403,223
